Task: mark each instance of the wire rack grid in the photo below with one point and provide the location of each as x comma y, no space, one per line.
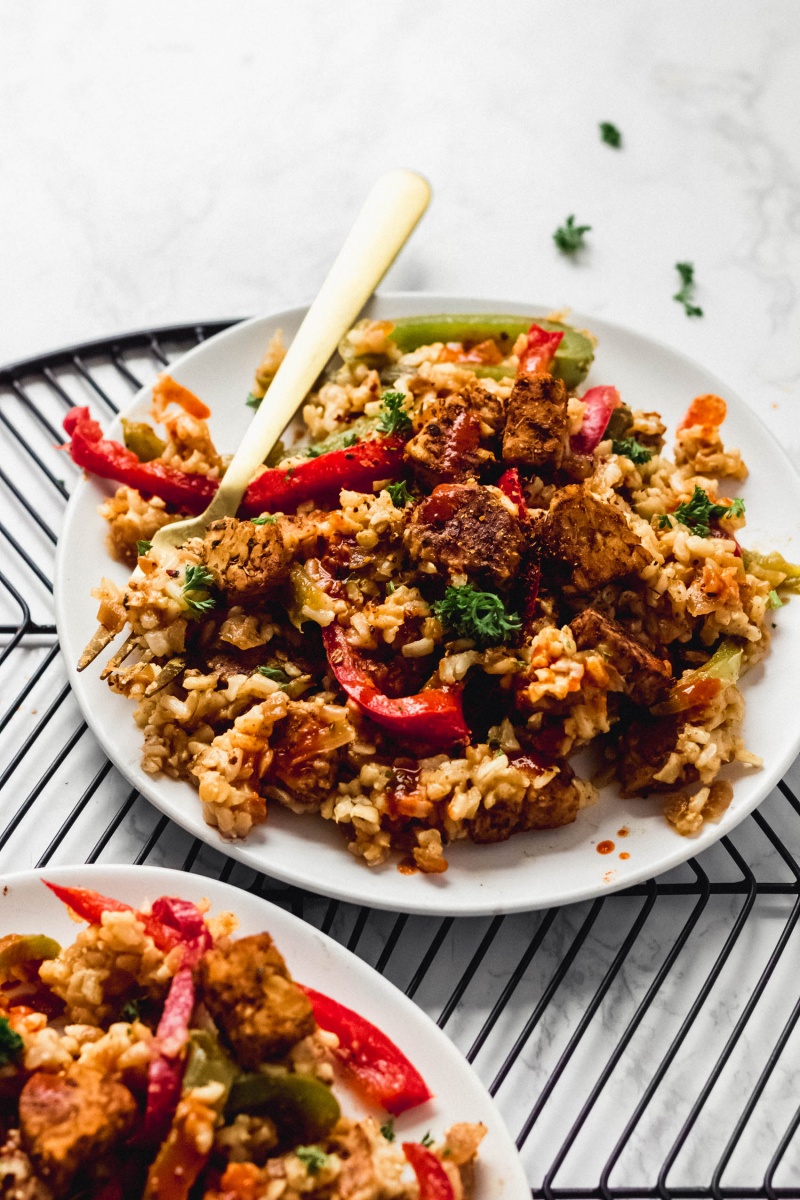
642,1045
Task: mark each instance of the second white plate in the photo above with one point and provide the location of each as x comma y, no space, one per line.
26,906
532,870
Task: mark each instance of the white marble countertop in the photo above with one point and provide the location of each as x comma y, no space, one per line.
167,162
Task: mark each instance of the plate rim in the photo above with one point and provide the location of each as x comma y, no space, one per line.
433,902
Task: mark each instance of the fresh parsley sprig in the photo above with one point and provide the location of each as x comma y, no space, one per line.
253,401
11,1044
480,616
130,1011
143,547
685,293
393,417
197,590
569,236
399,493
387,1129
698,513
632,449
610,134
276,673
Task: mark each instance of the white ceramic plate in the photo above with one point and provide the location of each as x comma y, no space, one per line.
26,906
531,870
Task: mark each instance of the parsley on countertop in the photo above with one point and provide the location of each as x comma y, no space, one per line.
569,236
610,134
685,294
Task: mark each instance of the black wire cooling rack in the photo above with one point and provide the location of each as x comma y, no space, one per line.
645,1044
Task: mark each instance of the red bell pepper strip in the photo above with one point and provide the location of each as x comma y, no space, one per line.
357,468
433,717
186,919
165,1075
540,350
90,906
511,485
600,403
111,460
274,490
381,1069
434,1182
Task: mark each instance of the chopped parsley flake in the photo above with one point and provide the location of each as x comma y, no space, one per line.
698,513
775,600
610,134
130,1012
314,451
143,548
349,439
387,1129
11,1043
290,473
569,236
275,673
399,493
312,1158
394,418
685,294
390,587
253,401
632,449
197,590
263,520
427,1140
480,616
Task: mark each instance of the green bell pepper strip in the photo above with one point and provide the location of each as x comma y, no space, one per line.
18,949
773,568
701,685
303,1109
208,1062
142,439
572,359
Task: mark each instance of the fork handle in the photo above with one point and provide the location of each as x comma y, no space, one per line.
391,210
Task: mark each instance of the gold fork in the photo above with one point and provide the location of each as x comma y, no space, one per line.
390,213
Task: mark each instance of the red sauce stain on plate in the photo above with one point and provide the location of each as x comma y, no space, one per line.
624,854
623,832
605,847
